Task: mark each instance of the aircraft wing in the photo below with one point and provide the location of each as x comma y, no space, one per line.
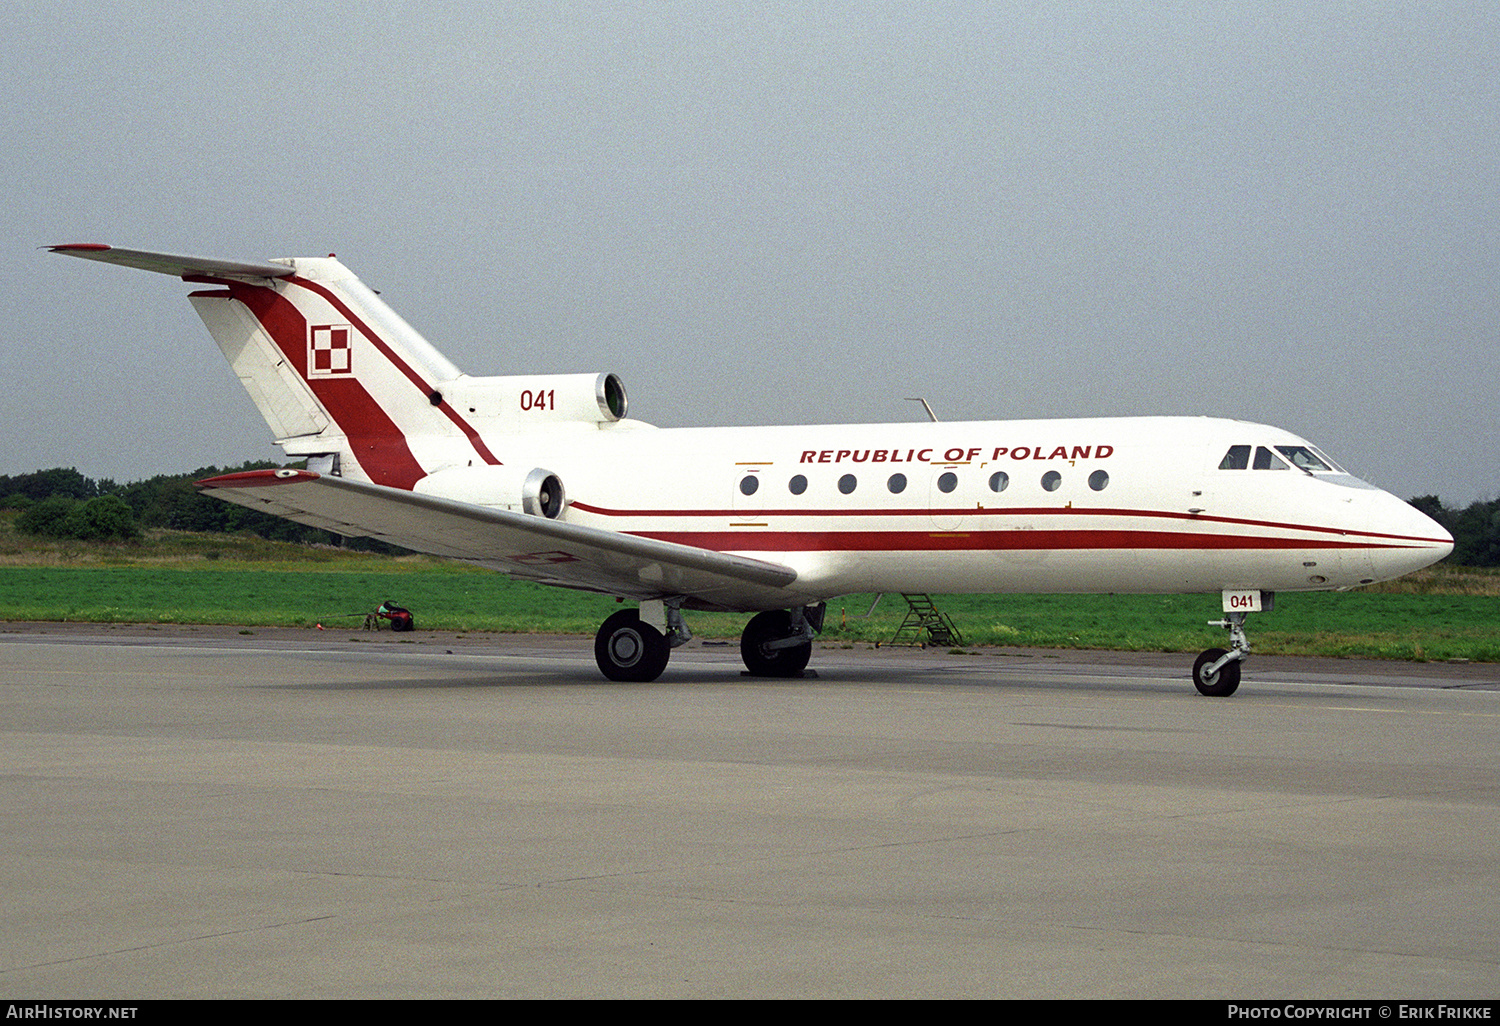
523,546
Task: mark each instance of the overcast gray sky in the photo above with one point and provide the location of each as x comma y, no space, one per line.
779,212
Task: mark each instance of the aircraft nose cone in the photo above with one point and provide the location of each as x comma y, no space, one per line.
1408,539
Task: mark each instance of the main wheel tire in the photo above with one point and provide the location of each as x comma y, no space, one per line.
1216,685
628,650
772,625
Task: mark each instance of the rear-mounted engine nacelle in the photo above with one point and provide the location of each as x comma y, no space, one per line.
536,492
524,399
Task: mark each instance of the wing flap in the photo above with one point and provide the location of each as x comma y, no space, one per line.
517,544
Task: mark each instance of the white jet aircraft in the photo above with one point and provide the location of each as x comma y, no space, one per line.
544,478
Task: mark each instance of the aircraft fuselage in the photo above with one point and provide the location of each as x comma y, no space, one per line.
1127,505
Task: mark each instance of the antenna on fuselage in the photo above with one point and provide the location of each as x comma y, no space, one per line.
918,399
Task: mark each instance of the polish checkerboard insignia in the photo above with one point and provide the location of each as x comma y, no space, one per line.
329,350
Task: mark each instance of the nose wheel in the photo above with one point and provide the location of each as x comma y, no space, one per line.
1216,683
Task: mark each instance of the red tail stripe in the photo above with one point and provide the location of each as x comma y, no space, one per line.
376,441
425,387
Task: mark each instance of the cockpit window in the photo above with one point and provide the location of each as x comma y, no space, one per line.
1304,458
1237,458
1265,459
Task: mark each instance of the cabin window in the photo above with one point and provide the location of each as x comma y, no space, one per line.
1237,458
999,481
947,481
847,484
797,485
897,484
1099,480
748,484
1052,480
1265,459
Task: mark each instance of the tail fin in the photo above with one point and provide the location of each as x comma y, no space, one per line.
340,378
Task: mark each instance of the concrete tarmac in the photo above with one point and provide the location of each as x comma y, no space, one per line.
208,812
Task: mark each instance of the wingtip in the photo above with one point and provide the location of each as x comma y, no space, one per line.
256,478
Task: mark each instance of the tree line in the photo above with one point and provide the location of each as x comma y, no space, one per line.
62,503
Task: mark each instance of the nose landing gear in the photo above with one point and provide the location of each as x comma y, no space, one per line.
1216,672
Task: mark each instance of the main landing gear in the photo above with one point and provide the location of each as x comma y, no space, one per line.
630,647
778,642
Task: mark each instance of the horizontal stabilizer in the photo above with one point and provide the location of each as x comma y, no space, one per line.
174,264
518,544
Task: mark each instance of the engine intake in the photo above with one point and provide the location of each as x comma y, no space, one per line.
537,492
525,399
542,494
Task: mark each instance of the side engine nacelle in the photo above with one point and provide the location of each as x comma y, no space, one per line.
523,400
535,492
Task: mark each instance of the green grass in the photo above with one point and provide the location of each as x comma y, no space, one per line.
441,597
1442,613
1366,624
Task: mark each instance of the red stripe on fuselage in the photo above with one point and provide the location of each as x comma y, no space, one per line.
988,541
1014,511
